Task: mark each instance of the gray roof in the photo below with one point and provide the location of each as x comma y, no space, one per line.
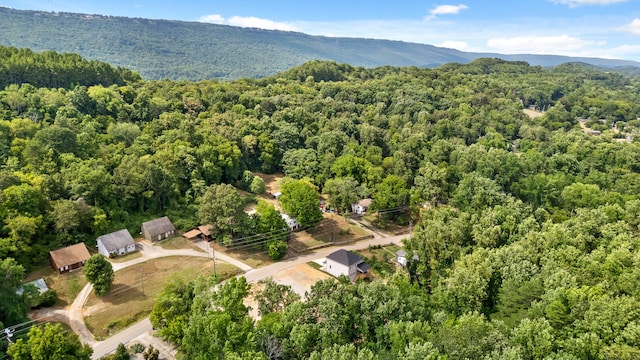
401,253
345,257
116,240
158,226
39,284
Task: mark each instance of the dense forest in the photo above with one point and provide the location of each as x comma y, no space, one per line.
163,49
526,244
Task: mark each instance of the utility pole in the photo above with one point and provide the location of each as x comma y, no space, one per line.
213,257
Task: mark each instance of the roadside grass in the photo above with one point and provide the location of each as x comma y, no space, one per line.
135,289
255,259
67,285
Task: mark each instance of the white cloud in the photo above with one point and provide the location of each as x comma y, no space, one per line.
254,22
575,3
633,27
458,45
212,19
446,10
248,21
561,44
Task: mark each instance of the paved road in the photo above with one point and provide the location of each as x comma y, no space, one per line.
105,347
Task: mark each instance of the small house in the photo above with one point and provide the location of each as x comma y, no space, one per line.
158,229
401,257
361,207
69,258
116,243
292,223
343,262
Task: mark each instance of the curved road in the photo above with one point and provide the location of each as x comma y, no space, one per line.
148,251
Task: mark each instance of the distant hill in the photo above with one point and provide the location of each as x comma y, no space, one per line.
158,49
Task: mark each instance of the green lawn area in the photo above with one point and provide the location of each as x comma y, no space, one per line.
135,288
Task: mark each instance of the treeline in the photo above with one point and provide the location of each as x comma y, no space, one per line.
510,208
53,70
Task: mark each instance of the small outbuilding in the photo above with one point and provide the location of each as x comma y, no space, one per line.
39,284
343,262
116,243
292,222
401,257
158,229
69,258
361,207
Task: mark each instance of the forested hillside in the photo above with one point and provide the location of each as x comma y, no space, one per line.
526,240
161,49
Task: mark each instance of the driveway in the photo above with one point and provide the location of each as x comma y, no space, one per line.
300,277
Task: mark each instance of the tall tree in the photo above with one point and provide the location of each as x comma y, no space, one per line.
221,207
99,272
300,199
49,342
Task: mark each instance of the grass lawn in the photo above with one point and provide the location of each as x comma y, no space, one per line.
66,285
179,242
127,303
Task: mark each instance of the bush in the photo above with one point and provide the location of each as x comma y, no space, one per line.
48,298
137,348
257,185
277,249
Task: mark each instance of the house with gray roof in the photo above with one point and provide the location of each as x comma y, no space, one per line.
116,243
158,229
343,262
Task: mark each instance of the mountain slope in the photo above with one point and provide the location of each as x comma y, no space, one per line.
188,50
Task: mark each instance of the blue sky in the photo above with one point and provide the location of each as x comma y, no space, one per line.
599,28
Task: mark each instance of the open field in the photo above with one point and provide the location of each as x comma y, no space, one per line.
135,288
532,113
67,285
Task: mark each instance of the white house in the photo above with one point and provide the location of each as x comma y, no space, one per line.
116,243
361,207
292,223
401,257
343,262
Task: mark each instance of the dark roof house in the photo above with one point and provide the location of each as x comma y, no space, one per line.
343,262
158,229
69,258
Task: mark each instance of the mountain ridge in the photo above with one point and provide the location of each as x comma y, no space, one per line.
176,49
